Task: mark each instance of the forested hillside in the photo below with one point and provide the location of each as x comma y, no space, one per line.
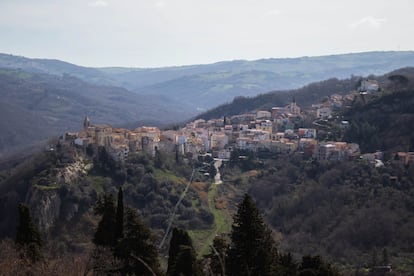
349,212
355,213
385,122
41,106
62,186
305,97
206,86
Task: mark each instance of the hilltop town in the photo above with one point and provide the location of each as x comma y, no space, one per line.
287,129
284,130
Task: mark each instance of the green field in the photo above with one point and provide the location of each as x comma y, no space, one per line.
202,239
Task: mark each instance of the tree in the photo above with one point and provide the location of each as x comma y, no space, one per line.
27,236
217,255
287,266
385,257
137,251
179,244
158,159
186,262
314,265
252,250
124,243
177,156
119,227
105,233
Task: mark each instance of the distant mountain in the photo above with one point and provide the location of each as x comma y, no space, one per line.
36,106
54,67
212,89
200,87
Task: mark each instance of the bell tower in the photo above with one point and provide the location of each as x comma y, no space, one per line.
86,122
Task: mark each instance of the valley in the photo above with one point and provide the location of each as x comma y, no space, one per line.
308,157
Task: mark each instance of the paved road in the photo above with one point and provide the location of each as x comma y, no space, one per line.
217,165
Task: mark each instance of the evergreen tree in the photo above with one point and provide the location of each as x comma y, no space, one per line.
179,238
252,250
314,265
186,262
137,251
158,159
105,233
177,155
124,244
385,257
119,228
287,266
27,236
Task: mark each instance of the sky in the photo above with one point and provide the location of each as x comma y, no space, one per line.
157,33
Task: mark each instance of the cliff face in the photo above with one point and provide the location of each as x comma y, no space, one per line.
52,201
45,207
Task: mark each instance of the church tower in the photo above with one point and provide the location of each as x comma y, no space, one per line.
86,122
294,108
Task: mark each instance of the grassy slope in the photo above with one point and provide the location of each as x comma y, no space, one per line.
202,239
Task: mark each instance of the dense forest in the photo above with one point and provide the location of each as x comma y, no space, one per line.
348,212
385,122
122,244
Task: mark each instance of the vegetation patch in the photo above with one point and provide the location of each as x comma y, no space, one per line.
222,224
46,188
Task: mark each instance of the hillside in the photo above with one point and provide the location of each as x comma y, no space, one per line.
305,96
348,212
205,86
62,186
39,106
352,213
385,123
382,121
211,89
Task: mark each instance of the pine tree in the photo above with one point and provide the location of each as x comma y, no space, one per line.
177,155
137,250
27,236
385,257
105,233
119,227
287,266
124,244
186,262
158,159
252,250
179,238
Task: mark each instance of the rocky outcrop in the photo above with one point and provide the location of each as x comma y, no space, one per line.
48,203
72,171
45,206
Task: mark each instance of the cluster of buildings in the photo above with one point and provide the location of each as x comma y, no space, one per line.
118,142
265,130
273,131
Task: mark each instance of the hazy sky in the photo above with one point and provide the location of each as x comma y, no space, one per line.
149,33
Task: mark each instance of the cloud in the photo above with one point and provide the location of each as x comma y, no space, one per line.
368,21
273,12
98,4
160,4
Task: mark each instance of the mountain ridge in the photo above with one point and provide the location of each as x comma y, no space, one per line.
295,72
40,106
